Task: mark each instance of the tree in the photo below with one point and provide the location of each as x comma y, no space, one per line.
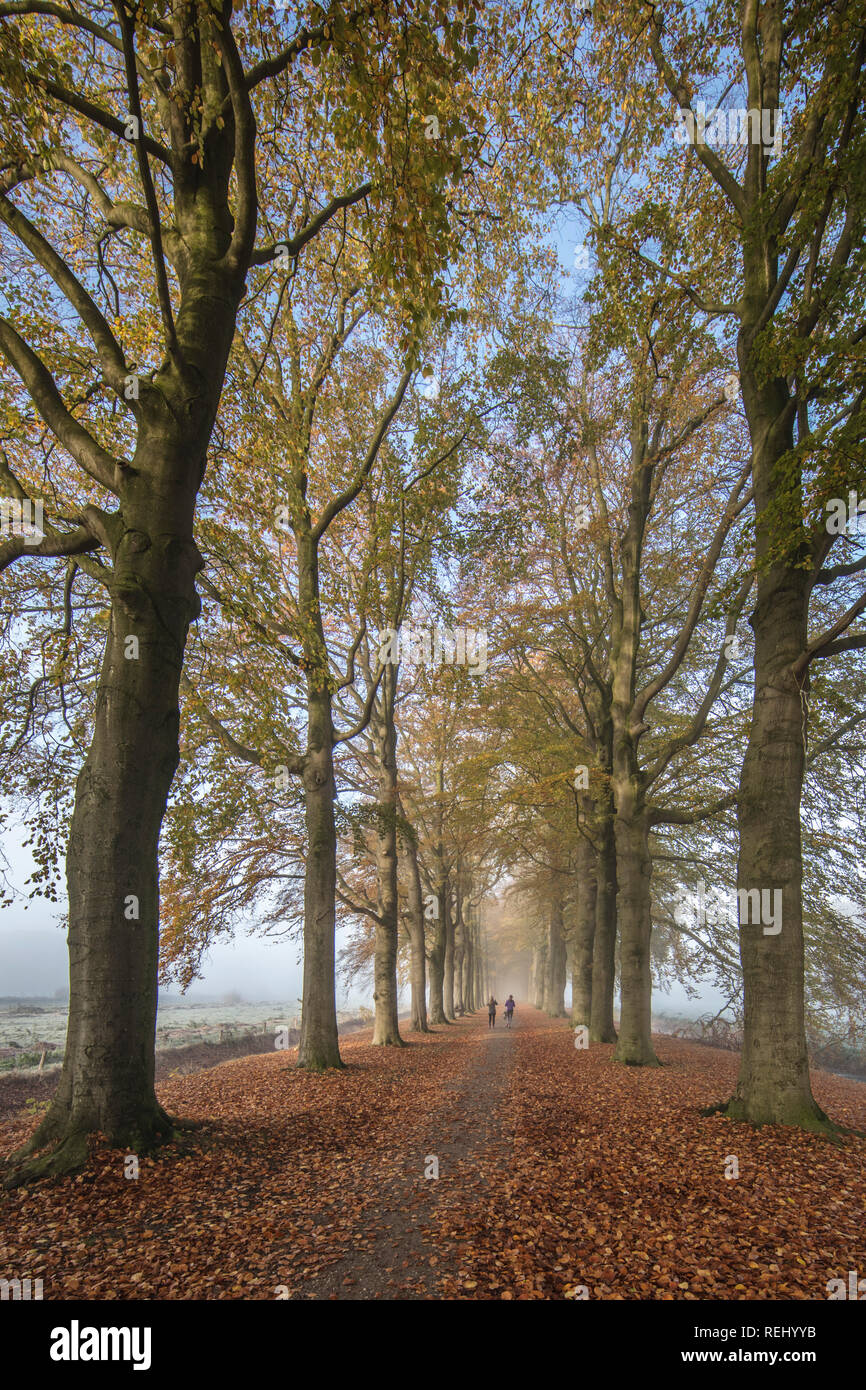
796,207
165,207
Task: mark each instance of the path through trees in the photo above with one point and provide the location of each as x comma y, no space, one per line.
559,1176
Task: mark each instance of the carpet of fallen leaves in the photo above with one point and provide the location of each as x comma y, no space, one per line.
561,1175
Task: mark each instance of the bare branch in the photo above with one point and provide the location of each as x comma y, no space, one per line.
96,461
832,739
827,644
108,349
294,245
660,816
99,117
154,222
338,504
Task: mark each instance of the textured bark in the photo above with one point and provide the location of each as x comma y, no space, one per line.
602,1028
773,1086
634,904
121,793
541,955
584,933
448,961
436,961
386,1028
416,925
555,973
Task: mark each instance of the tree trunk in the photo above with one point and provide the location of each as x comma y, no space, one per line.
634,871
481,961
541,972
478,984
417,945
469,1000
106,1083
436,971
440,934
386,1028
584,934
112,868
555,973
459,950
602,1028
773,1086
448,965
319,1046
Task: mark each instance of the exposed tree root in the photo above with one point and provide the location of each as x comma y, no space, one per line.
61,1145
807,1117
69,1156
316,1065
651,1061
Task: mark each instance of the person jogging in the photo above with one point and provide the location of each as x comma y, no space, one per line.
509,1010
491,1012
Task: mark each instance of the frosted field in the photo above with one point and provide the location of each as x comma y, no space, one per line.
26,1023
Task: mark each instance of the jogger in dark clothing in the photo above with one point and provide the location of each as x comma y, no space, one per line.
491,1012
509,1010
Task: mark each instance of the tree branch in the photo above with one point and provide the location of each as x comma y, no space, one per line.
96,461
338,504
733,508
826,644
659,815
153,215
305,38
99,117
108,349
296,244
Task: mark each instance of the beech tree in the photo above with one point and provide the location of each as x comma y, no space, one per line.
165,210
232,246
406,520
789,278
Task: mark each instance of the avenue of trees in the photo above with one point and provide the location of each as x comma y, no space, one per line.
386,572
